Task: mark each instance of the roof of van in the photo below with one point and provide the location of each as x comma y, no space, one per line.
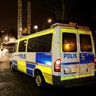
49,30
74,25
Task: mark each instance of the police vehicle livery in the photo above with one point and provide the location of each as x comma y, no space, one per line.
62,55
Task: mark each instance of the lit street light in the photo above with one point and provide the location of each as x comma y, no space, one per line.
48,21
36,28
5,39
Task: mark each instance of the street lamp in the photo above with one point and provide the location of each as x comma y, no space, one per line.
2,31
6,39
48,21
36,28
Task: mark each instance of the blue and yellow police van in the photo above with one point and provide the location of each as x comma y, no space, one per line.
62,55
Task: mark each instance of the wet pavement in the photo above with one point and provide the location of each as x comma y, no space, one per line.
9,85
19,84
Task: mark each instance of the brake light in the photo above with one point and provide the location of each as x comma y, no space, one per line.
57,65
95,59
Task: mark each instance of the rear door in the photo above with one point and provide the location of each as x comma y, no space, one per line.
69,54
77,54
86,53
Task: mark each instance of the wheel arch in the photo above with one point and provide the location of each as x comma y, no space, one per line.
37,71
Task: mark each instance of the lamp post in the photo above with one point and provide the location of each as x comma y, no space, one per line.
36,28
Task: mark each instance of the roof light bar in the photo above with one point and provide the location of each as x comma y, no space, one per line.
63,24
71,24
82,27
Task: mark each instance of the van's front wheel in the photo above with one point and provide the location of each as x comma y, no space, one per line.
39,80
11,67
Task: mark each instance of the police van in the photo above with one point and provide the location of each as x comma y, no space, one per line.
62,55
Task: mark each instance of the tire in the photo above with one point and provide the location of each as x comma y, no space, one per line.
39,80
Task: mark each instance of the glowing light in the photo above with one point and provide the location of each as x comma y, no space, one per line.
67,47
49,20
49,63
35,27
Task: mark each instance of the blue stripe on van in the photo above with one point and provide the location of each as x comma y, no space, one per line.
86,58
29,71
44,57
69,63
14,64
29,65
30,68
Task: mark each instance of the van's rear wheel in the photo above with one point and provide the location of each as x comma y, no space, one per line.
39,79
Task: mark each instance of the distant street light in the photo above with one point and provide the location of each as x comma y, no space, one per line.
36,28
24,31
2,31
48,21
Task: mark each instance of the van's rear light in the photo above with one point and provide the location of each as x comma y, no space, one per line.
95,59
57,65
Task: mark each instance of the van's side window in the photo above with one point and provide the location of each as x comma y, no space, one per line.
69,43
22,46
40,44
85,43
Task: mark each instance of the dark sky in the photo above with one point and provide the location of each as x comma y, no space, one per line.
8,13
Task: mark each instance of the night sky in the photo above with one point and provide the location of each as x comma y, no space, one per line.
85,12
8,15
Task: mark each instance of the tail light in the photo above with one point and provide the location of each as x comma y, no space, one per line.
95,62
57,65
95,59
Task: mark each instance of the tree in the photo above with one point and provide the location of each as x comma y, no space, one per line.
56,7
64,10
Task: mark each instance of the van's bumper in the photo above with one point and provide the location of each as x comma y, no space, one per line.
74,82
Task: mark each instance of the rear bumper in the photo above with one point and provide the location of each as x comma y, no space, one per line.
80,82
74,82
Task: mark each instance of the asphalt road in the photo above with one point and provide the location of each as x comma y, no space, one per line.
20,84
